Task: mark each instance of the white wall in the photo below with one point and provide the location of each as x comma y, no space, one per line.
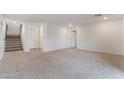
54,37
2,35
104,36
123,36
1,40
25,36
13,28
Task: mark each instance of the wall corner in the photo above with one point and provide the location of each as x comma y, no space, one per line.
123,35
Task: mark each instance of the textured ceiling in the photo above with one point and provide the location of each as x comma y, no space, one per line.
61,18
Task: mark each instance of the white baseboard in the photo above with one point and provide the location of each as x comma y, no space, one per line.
113,53
53,49
88,50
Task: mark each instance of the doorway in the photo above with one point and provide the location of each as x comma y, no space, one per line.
73,38
34,41
35,36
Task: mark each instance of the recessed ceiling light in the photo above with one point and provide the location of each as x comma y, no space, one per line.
70,25
14,22
105,18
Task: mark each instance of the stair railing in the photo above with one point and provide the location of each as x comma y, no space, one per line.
6,31
20,29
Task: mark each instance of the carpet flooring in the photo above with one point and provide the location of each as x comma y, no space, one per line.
61,64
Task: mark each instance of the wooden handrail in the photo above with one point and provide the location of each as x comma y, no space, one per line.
20,29
6,30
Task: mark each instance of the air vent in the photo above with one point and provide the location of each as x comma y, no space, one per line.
98,15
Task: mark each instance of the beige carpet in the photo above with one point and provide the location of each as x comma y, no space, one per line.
61,64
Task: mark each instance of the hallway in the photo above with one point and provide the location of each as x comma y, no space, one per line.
61,64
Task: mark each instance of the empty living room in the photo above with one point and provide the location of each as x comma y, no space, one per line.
61,46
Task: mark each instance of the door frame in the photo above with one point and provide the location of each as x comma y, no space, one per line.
73,30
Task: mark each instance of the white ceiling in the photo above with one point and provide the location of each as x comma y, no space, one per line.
61,18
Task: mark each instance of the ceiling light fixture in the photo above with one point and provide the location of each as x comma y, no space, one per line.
105,18
14,22
70,25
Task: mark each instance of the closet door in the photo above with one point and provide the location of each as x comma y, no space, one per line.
73,39
34,37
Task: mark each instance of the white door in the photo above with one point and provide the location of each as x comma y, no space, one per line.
34,37
73,39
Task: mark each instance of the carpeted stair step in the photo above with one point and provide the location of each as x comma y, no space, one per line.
12,49
17,46
13,43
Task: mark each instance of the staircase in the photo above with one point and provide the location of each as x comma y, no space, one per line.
13,43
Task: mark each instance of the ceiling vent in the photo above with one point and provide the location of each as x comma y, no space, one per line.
98,15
